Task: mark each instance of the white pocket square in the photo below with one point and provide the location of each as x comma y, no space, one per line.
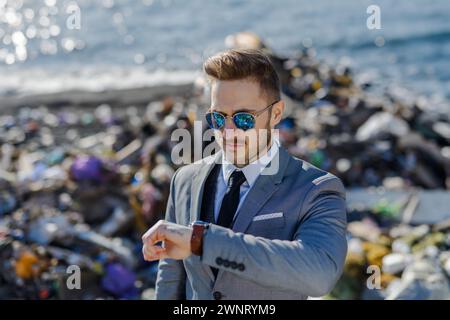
268,216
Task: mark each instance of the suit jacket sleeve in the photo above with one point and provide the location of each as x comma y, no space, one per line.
311,263
171,277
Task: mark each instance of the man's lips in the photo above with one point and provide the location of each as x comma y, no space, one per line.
233,145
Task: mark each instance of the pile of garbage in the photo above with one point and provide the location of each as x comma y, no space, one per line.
79,187
391,259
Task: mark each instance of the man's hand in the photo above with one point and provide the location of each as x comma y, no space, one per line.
176,241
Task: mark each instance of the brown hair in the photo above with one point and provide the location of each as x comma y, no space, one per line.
238,64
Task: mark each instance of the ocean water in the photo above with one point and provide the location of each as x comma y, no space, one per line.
129,43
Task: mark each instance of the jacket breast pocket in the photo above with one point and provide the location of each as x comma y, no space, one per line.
267,225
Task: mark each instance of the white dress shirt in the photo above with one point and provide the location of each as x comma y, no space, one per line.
251,173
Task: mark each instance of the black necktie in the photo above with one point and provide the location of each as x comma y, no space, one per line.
230,201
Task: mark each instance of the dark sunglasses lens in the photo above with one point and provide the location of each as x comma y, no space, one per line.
244,121
215,120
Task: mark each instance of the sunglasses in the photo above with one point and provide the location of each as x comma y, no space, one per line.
242,120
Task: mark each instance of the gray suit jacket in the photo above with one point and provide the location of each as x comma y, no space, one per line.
288,240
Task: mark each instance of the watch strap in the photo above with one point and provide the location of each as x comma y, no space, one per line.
198,230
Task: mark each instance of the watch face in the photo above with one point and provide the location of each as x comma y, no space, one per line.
199,222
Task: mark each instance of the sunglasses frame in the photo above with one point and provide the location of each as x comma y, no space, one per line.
254,114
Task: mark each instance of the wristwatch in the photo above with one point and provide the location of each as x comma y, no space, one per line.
198,230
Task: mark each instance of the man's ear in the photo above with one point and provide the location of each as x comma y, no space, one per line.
277,113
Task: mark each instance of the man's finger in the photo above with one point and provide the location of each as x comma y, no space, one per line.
154,234
148,232
154,238
154,253
151,249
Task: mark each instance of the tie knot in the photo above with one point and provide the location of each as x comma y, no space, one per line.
236,179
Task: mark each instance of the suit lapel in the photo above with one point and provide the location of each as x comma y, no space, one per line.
198,182
264,187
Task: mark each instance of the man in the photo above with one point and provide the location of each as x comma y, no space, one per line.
269,226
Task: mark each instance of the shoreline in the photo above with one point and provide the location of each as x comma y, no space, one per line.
85,98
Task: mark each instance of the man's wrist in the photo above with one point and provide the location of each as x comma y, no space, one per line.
198,231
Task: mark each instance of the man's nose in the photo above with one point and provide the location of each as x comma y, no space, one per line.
229,123
229,129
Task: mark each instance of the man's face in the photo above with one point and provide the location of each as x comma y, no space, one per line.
228,97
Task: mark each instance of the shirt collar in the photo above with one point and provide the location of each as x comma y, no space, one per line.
252,170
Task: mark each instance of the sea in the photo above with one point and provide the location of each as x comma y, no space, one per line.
57,45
